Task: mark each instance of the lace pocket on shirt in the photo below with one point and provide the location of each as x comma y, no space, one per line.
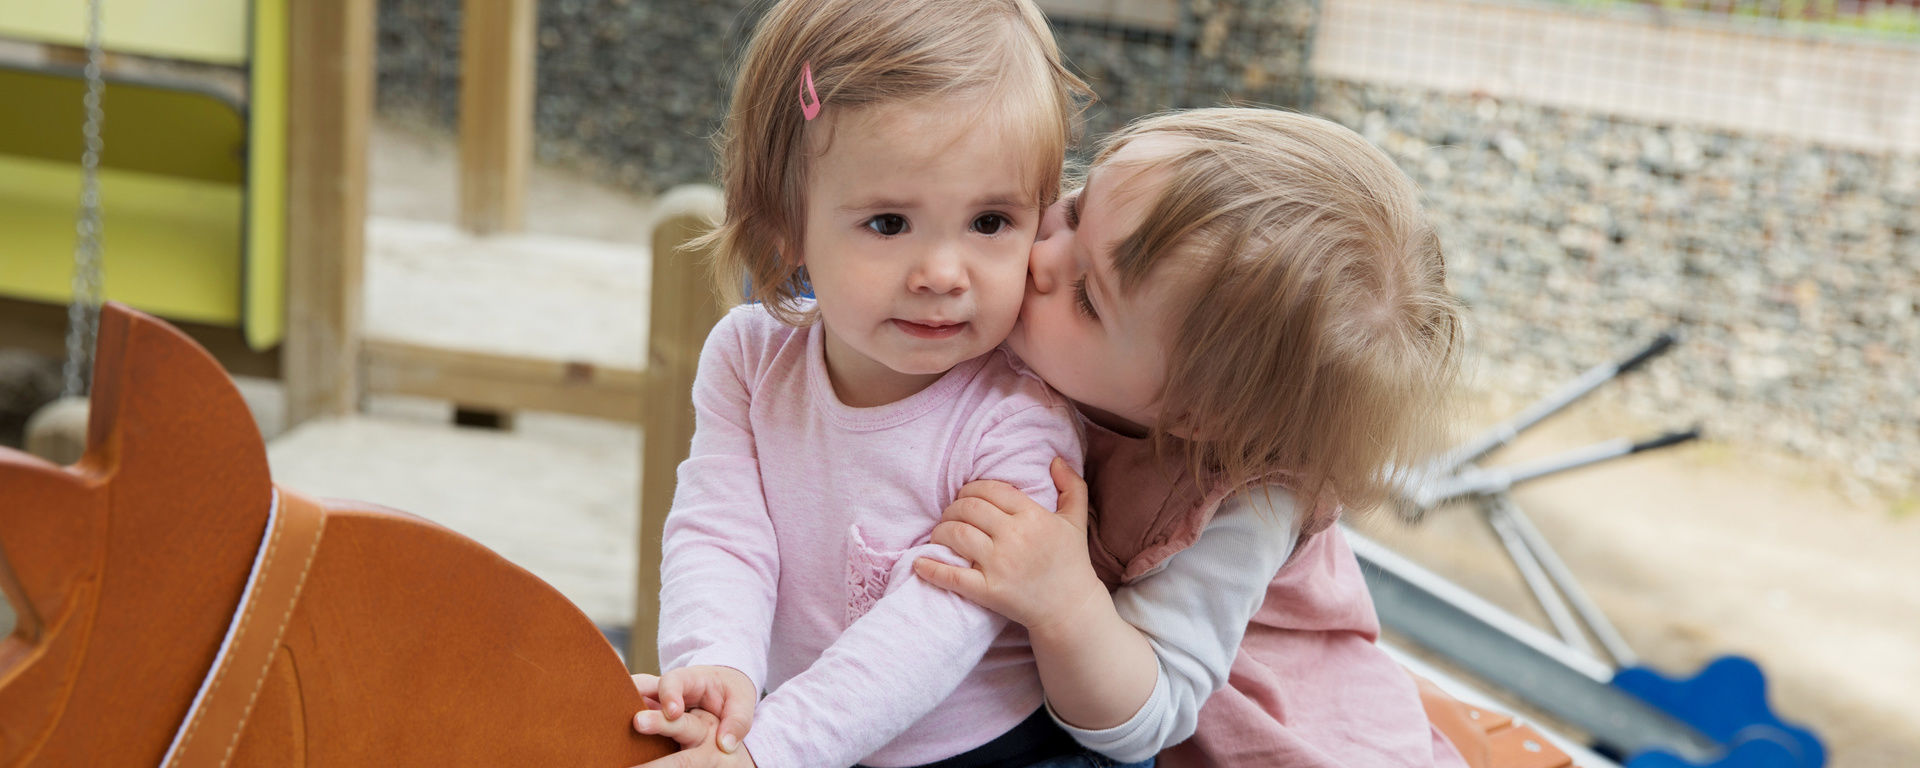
869,570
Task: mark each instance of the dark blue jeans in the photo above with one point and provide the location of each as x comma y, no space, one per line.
1090,760
1035,743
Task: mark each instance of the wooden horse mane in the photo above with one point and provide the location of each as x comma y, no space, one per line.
369,636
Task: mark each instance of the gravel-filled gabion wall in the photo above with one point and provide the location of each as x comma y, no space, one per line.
1224,51
1792,270
633,88
630,89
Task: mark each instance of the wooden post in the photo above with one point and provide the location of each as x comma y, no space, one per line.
496,112
683,309
331,101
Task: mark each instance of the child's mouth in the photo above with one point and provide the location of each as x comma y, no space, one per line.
929,331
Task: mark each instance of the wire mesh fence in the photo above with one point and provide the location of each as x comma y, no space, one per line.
1747,172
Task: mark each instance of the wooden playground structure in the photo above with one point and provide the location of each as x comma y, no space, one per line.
262,261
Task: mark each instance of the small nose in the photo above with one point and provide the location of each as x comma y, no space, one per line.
939,272
1045,264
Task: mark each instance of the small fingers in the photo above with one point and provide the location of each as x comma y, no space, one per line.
979,513
675,760
672,693
1073,492
1001,496
964,539
731,732
691,730
648,685
736,718
965,582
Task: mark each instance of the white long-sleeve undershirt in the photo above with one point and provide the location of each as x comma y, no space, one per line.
1194,610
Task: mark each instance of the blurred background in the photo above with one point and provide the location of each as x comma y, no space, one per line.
1744,174
1746,171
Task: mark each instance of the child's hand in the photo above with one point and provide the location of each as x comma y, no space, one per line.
1029,565
693,731
724,692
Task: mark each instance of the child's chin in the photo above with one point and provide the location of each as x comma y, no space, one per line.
1017,339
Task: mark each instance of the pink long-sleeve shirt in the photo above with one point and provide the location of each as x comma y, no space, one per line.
795,524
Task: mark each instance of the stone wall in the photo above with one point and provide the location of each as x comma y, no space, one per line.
1792,265
1792,270
1221,52
632,89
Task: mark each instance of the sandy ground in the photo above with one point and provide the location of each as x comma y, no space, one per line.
1711,549
558,495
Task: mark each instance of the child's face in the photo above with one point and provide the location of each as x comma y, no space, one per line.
917,231
1104,350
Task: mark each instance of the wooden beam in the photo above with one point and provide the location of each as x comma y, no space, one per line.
684,309
502,382
496,112
331,88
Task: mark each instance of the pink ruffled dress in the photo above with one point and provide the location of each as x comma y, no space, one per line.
1308,688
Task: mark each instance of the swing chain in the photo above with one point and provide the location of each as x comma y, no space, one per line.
83,313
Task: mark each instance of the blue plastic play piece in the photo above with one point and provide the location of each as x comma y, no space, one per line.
1757,753
1727,702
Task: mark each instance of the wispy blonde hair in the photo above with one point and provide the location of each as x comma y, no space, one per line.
864,53
1316,335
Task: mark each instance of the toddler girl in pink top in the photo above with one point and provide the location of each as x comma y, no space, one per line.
893,160
1249,310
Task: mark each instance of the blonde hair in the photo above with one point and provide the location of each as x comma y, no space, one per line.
1315,334
864,53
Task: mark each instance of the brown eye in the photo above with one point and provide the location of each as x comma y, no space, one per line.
1073,211
887,224
990,224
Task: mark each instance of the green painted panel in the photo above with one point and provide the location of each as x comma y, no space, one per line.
210,31
265,303
147,128
171,245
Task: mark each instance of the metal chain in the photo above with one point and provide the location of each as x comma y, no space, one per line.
83,313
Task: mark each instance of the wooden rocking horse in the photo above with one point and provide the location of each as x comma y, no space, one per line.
177,608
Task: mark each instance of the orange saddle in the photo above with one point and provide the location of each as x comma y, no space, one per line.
175,607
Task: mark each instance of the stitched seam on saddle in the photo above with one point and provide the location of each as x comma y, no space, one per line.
266,565
260,678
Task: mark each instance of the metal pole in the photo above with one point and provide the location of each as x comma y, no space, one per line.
1473,481
1562,577
1513,655
1503,433
1499,511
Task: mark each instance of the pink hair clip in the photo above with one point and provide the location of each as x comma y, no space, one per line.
810,111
